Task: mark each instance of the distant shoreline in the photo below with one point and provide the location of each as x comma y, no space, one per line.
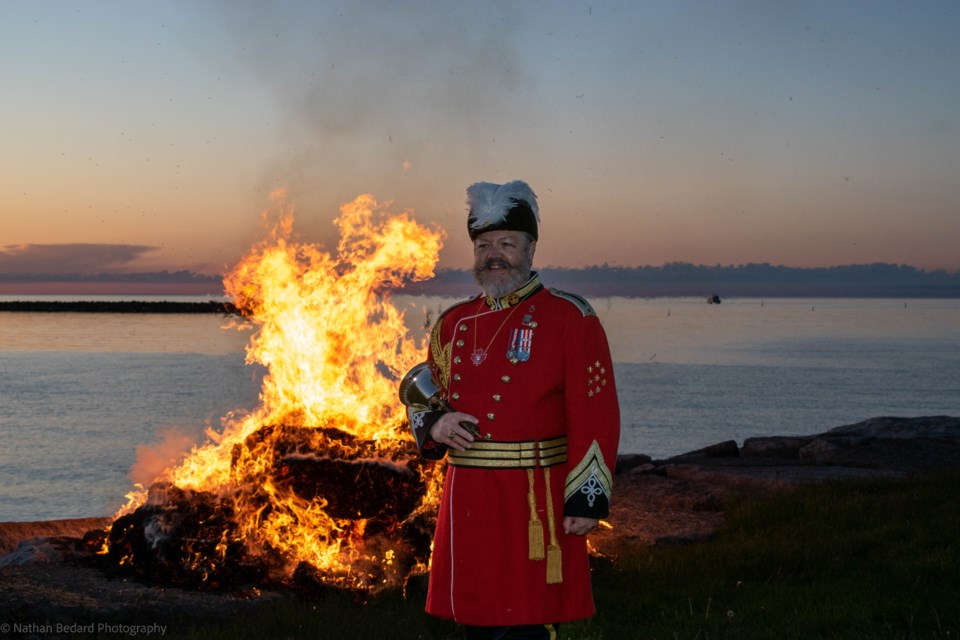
228,308
118,306
671,280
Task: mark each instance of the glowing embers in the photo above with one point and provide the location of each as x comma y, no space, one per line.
183,538
368,511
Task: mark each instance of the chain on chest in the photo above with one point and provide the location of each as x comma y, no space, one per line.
508,334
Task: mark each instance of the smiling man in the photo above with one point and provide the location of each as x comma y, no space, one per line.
530,442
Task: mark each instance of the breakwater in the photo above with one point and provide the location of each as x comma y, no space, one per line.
119,306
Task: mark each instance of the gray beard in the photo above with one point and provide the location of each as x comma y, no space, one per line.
494,287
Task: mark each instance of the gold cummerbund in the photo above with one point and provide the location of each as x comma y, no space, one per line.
511,455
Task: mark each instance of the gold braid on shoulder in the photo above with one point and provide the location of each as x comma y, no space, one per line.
441,355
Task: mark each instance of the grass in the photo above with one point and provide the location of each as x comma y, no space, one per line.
867,559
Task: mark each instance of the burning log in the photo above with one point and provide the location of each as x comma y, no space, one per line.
353,489
182,537
350,477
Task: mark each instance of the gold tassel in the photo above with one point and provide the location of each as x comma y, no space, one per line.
535,536
554,560
554,565
534,527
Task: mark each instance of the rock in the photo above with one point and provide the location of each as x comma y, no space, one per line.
628,462
819,450
680,499
648,467
37,550
786,448
13,533
923,444
908,455
890,427
725,449
768,478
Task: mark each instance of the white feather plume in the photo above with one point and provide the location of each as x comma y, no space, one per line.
489,203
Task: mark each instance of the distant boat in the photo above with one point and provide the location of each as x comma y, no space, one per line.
714,299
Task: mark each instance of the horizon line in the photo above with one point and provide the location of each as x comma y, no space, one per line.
186,276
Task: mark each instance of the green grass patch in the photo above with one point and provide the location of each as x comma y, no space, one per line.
867,559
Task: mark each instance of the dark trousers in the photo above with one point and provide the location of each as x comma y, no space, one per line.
519,632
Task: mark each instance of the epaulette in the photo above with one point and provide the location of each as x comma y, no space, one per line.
457,305
578,301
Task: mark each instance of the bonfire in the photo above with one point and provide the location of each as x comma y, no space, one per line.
320,484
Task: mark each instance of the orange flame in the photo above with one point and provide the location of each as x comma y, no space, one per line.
334,347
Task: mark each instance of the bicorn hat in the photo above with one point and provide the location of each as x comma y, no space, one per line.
502,207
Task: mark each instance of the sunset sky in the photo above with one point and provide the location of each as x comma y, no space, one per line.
145,135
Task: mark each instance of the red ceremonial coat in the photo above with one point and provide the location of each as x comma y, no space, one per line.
533,366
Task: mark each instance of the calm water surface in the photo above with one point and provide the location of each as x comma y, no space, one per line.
88,401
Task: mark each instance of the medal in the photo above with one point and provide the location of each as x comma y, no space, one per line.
521,345
512,350
526,345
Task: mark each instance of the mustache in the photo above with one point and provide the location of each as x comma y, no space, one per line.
496,262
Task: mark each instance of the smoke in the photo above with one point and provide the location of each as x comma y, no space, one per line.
366,88
159,527
152,460
343,68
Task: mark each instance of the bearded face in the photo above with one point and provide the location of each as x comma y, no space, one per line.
503,261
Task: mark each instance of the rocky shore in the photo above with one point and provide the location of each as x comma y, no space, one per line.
678,500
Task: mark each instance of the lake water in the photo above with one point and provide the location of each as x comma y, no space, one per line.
88,399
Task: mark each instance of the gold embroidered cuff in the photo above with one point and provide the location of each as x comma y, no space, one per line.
593,472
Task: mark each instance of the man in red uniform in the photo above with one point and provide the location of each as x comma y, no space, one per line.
531,441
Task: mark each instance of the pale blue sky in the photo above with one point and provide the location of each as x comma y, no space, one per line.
796,133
